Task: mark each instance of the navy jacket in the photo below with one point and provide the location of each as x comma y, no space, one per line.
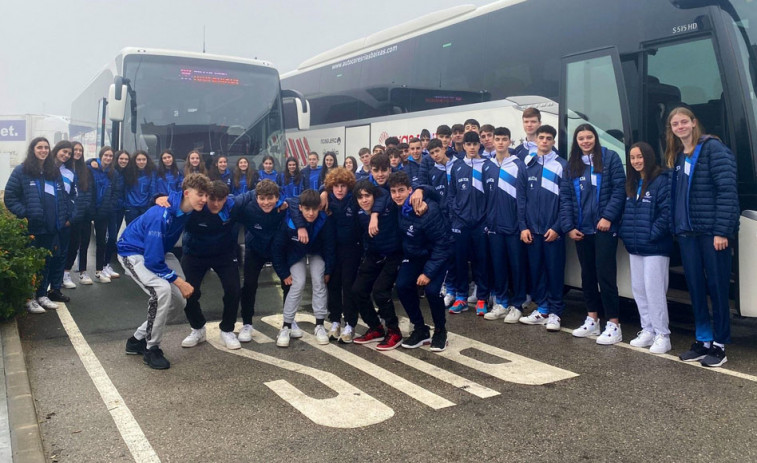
44,203
467,199
84,201
413,170
287,250
344,215
119,191
541,211
104,197
214,235
426,237
645,228
361,174
153,234
140,194
612,195
436,176
169,183
290,189
504,186
713,198
260,227
311,177
387,241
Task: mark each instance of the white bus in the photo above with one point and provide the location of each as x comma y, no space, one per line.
620,65
153,99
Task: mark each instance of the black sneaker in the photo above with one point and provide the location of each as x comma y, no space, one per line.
439,341
418,338
135,346
697,352
56,296
715,357
153,358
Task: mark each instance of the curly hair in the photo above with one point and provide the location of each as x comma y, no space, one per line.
339,175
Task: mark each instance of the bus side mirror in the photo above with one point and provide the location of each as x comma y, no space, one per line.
302,106
117,99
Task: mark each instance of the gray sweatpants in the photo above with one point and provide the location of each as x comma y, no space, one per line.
649,284
164,298
320,294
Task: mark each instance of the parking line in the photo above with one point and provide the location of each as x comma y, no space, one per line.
127,425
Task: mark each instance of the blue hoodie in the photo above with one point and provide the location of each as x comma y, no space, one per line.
467,199
168,184
541,211
139,195
505,186
103,189
153,234
290,189
273,176
311,177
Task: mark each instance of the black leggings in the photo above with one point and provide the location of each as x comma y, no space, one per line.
79,243
599,266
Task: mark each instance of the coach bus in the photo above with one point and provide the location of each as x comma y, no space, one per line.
153,99
621,65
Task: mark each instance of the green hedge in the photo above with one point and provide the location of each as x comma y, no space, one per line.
20,264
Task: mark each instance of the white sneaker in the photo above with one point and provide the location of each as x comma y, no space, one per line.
513,315
661,344
195,337
611,335
589,328
472,299
347,334
229,340
102,277
84,278
334,331
295,332
32,306
245,334
553,322
110,272
534,318
67,281
449,299
282,340
46,303
643,339
527,304
497,312
321,337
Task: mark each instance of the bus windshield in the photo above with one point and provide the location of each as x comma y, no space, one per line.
746,22
218,108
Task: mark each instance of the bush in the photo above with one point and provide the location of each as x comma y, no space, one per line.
20,264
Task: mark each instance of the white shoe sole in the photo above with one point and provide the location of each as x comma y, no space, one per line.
609,341
192,343
282,343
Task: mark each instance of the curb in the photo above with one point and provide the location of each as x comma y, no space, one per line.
26,440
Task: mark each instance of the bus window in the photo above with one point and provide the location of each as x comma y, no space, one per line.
592,96
683,72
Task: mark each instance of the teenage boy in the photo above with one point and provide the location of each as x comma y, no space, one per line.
471,125
427,246
487,141
403,148
425,137
365,158
392,142
142,250
540,230
531,122
311,174
414,159
378,149
395,159
467,201
458,131
505,182
290,261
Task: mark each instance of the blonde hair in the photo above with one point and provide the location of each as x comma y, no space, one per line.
674,145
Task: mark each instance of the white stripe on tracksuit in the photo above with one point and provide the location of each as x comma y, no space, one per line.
164,296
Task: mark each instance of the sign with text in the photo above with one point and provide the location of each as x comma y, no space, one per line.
13,130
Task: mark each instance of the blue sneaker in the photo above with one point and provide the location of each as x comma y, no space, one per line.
481,308
459,306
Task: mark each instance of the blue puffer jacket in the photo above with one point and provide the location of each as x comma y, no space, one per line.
413,170
103,191
713,196
119,191
426,237
287,250
387,241
84,203
612,195
260,227
24,197
344,215
645,228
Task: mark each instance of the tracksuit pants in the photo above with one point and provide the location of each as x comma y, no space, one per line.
299,274
49,242
164,297
708,271
79,243
341,299
101,231
226,267
506,261
407,290
649,284
470,244
546,262
253,264
59,257
375,277
114,224
597,255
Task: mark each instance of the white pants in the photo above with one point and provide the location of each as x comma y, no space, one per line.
299,275
649,283
164,298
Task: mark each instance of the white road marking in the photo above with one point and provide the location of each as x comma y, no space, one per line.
416,392
674,358
127,425
336,412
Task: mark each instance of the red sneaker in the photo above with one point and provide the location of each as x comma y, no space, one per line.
372,335
392,340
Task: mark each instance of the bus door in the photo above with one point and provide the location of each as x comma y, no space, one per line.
355,138
592,91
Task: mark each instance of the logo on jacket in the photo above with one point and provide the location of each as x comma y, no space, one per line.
257,226
411,231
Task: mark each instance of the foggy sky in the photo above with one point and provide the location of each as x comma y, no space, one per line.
52,49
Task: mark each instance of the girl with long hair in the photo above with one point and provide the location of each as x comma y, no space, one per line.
35,192
61,153
705,215
290,181
140,185
195,164
81,218
168,177
350,163
267,171
591,205
645,231
329,163
220,171
244,176
105,200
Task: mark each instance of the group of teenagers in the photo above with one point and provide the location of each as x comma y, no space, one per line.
419,219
